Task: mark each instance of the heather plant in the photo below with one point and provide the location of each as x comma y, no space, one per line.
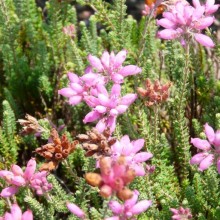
103,119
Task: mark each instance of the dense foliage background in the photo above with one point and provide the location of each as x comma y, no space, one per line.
35,56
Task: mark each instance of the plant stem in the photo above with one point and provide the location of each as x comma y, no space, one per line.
186,74
67,165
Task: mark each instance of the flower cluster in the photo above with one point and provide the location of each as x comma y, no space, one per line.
110,66
113,178
181,214
154,93
129,150
17,178
184,21
107,107
210,149
91,89
16,214
69,30
129,209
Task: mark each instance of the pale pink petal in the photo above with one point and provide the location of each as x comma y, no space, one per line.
174,211
76,210
200,144
105,59
28,215
91,101
209,132
75,100
125,142
196,159
204,40
168,34
211,10
116,90
112,218
101,125
141,157
9,191
8,216
111,123
131,202
116,207
204,23
6,174
169,16
67,92
128,99
101,109
216,142
113,112
166,23
137,145
120,58
101,89
89,78
196,3
16,212
104,100
95,62
176,217
121,108
91,116
73,77
198,13
129,70
17,170
31,167
76,87
140,207
117,148
206,163
139,169
117,78
18,181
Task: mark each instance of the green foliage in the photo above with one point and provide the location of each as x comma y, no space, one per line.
35,56
8,142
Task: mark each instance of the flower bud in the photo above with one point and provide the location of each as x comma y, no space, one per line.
93,179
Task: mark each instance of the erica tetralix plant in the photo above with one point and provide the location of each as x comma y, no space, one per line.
16,214
113,178
209,150
184,22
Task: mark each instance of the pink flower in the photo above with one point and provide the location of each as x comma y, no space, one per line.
17,178
210,6
16,214
130,209
107,107
69,30
181,214
80,87
130,151
110,65
39,183
76,210
210,149
113,178
184,21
